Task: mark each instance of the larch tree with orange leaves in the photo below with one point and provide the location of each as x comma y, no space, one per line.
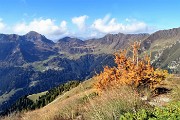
131,71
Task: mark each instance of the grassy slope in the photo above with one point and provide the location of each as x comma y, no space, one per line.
169,49
48,112
35,97
80,101
70,97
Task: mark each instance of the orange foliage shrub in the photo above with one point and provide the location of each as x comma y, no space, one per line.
130,71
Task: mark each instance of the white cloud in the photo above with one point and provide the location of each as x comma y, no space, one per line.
110,25
2,25
46,27
80,21
96,29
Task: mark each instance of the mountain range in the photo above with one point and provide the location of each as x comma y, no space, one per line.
31,63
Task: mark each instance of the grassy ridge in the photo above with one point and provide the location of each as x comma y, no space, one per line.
31,103
82,102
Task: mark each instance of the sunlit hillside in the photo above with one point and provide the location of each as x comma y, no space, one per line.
110,96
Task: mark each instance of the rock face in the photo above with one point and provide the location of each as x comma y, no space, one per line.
108,44
170,35
115,42
165,48
32,63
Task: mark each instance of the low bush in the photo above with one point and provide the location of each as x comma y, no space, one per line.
169,112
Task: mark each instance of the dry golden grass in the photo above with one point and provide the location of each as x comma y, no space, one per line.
112,103
53,109
81,103
174,84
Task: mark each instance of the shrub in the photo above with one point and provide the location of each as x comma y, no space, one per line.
170,112
130,71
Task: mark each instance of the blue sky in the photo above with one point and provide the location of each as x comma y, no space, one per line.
87,18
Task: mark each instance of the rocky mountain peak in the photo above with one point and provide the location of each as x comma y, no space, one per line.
33,36
33,33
